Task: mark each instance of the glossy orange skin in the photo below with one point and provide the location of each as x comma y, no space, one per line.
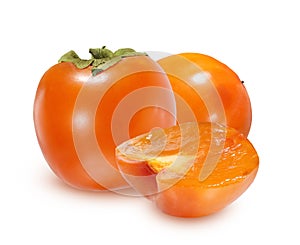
231,90
189,196
54,103
192,201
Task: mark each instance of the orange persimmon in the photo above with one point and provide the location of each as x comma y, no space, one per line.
207,90
191,169
83,107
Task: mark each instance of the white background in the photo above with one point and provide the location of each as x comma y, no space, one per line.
258,39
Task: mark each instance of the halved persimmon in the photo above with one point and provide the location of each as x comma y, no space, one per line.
189,170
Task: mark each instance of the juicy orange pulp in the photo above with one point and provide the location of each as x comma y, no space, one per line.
190,170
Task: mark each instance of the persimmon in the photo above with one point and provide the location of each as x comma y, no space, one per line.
191,169
83,107
207,90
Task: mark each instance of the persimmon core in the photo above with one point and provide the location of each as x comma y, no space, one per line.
159,163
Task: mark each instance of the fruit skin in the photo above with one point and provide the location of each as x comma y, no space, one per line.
196,201
54,104
187,195
232,92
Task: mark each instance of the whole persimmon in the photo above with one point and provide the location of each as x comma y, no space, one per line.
79,113
207,90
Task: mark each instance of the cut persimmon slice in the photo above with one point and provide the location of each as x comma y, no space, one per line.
189,170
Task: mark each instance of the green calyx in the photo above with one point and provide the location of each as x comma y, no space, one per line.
101,58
